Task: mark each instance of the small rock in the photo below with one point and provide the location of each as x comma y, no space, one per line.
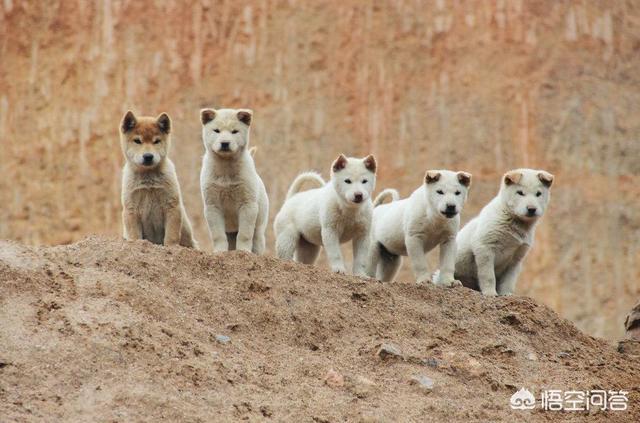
387,351
564,354
334,379
223,339
532,356
431,362
423,382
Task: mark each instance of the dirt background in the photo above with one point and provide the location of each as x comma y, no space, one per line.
482,86
108,330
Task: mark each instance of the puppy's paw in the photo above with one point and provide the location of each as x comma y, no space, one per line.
424,280
492,293
339,270
506,294
452,283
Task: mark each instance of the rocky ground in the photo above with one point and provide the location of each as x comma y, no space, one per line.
108,330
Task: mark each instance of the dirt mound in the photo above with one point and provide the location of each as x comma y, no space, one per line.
108,330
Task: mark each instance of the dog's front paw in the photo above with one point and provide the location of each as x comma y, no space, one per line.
452,283
339,270
506,294
491,293
423,279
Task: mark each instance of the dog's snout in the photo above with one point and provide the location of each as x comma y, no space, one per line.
451,208
531,211
147,158
224,146
358,197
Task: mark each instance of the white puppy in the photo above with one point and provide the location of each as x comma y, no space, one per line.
492,246
236,205
416,225
332,214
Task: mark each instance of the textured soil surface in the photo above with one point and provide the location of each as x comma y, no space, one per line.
108,330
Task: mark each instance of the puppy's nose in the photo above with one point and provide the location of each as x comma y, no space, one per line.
147,158
451,208
224,146
357,197
531,211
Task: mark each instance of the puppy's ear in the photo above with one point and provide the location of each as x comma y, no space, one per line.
546,178
164,123
512,177
340,163
431,176
244,116
464,178
129,122
370,163
207,115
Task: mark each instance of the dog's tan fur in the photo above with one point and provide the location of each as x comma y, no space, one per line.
152,206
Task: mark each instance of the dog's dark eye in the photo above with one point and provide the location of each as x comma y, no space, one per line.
157,141
538,194
217,131
520,193
364,181
137,140
440,192
457,192
347,181
235,131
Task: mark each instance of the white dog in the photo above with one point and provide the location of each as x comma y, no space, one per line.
416,225
332,214
236,205
492,246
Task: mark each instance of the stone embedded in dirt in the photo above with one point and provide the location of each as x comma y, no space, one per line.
389,351
563,354
532,356
423,382
223,339
334,379
431,362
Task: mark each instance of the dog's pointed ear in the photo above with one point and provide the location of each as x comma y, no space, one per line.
512,177
244,116
464,178
546,178
207,115
370,163
164,123
129,122
431,176
340,163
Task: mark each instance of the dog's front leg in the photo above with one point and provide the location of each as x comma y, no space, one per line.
331,244
172,226
415,250
447,263
215,221
486,271
132,225
361,257
507,283
247,216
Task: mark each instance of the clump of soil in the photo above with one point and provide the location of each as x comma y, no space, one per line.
109,330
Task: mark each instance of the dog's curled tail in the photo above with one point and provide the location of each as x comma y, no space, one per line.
301,179
387,193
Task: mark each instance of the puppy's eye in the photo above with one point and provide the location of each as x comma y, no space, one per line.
364,181
440,192
217,131
457,192
347,181
137,140
538,194
520,193
157,141
235,131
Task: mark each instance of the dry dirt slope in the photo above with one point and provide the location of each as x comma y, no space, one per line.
107,330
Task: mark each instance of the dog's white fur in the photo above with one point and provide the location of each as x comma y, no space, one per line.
493,245
236,205
415,225
329,215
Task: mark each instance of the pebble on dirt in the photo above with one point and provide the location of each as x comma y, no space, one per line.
223,339
423,382
389,351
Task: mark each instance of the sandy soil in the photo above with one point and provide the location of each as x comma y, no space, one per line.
108,330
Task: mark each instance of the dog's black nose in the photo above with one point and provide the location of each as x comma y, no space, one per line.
531,211
451,208
147,158
357,198
224,146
